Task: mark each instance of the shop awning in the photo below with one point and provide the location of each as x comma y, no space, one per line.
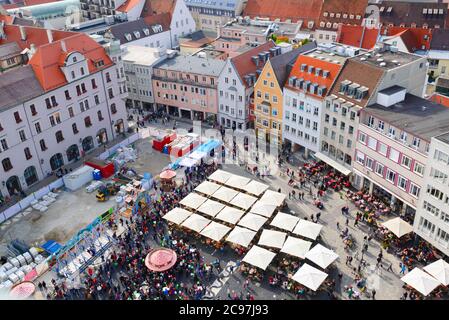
421,281
310,277
334,164
259,257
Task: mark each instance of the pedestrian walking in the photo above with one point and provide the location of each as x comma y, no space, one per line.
338,226
318,215
347,222
373,294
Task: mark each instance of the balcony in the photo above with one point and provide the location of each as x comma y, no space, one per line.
185,81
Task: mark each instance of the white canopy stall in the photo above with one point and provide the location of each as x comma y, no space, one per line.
259,257
308,229
196,222
215,231
220,176
252,221
255,187
263,209
296,247
225,194
241,236
439,270
309,276
285,221
197,155
188,162
177,215
321,256
398,226
210,207
193,200
243,200
273,198
207,187
421,281
272,239
230,215
237,182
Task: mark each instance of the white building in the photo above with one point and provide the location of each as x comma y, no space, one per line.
432,213
52,114
236,87
182,22
138,64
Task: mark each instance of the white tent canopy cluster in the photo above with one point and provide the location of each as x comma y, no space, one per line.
434,275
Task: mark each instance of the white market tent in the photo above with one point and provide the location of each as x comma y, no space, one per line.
188,162
309,276
196,222
177,215
207,187
398,226
307,229
255,187
197,155
272,239
263,209
439,270
273,198
243,200
259,257
220,176
321,256
285,221
193,200
210,207
241,236
237,182
225,194
252,221
296,247
230,215
215,231
421,281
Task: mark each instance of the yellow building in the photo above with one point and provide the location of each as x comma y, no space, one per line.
268,94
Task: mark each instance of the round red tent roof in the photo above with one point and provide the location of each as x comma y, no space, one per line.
22,290
160,259
167,174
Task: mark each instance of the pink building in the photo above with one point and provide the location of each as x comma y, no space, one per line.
393,143
186,86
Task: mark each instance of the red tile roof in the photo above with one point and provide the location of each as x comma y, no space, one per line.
357,36
306,10
345,7
333,68
46,60
439,98
413,38
36,2
244,64
8,6
163,19
152,7
6,19
128,5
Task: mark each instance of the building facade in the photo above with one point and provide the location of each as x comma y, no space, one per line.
432,218
187,86
53,114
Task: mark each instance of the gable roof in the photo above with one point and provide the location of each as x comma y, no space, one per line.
120,30
413,38
306,10
283,63
128,5
412,12
153,7
361,73
46,62
440,39
357,36
243,63
348,7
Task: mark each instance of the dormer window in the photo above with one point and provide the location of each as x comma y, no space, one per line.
303,67
128,36
328,25
325,14
352,89
325,73
345,16
358,17
322,24
137,34
338,15
335,26
344,86
351,16
317,72
146,31
361,93
311,69
332,14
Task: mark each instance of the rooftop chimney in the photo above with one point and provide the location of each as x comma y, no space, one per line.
23,34
50,36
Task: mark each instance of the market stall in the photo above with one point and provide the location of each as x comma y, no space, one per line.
215,231
193,200
177,215
272,239
321,256
263,209
398,226
210,208
285,221
167,178
220,176
252,221
296,247
439,270
310,277
421,281
241,236
255,188
225,194
230,215
273,198
196,223
259,257
160,259
207,188
237,182
308,229
243,201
